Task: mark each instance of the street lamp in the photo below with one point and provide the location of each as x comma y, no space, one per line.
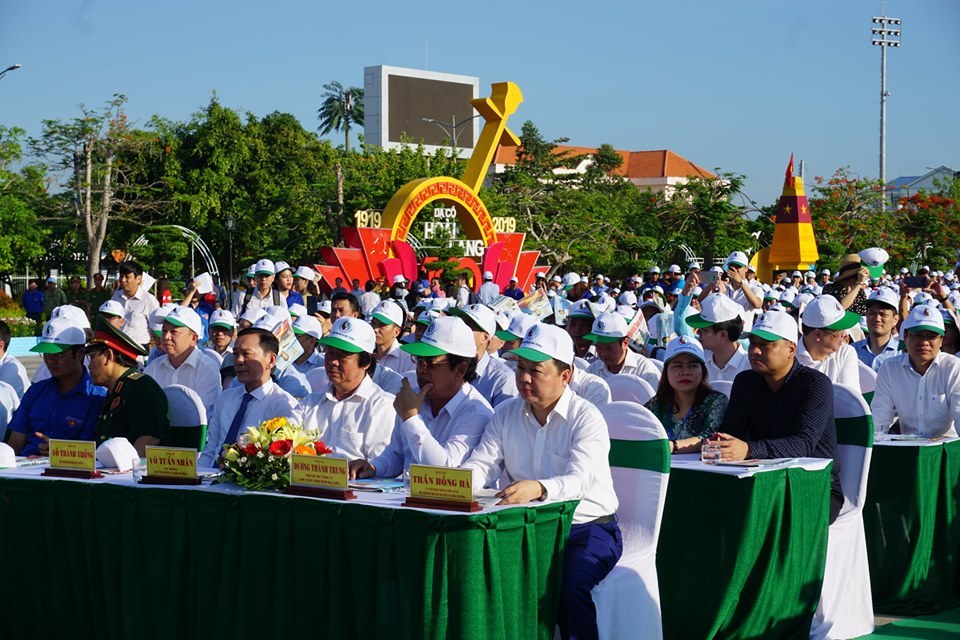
450,128
883,37
12,67
230,225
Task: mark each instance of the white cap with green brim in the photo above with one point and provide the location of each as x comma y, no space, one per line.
185,317
775,325
924,317
223,318
885,295
297,310
714,309
308,325
544,342
111,308
873,259
608,328
352,335
737,258
264,267
825,312
580,309
480,316
280,266
304,273
519,326
251,270
59,335
684,344
73,314
155,321
445,335
427,316
389,312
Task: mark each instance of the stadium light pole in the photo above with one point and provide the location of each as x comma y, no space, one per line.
230,225
12,67
884,36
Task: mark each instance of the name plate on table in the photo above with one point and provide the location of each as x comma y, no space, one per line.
171,465
73,459
441,488
319,477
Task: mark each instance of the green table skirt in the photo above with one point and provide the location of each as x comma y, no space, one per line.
743,557
913,532
120,562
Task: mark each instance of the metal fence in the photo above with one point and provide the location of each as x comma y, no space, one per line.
14,286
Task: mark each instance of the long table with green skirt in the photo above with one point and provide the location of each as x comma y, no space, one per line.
912,528
743,557
109,559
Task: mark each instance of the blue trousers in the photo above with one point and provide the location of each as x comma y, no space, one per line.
592,551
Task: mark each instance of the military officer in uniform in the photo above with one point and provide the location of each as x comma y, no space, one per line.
136,407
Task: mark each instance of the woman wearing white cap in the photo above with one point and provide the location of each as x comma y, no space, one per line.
283,282
686,406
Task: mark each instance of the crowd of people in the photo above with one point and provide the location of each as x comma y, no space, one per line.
466,376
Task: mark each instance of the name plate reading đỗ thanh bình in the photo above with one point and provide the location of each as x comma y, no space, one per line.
441,488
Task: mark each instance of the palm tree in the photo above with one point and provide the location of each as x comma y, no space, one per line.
341,109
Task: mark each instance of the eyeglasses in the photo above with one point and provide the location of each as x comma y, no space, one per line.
57,357
429,363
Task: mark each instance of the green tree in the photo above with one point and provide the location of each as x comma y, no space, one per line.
22,196
341,109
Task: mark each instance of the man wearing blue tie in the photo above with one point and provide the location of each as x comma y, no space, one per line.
255,400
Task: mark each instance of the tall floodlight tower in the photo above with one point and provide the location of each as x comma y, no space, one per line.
886,33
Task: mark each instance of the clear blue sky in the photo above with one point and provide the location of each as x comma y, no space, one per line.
737,85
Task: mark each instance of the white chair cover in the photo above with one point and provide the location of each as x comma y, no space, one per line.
8,404
723,386
630,388
185,408
628,599
868,381
846,605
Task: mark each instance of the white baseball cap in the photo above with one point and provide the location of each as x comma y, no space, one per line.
308,325
795,274
775,325
873,259
59,334
607,328
738,258
305,273
251,270
825,312
514,279
825,272
445,335
810,274
223,318
924,317
352,335
714,309
297,310
52,279
599,276
693,265
802,299
488,275
73,314
479,314
887,296
111,308
389,312
628,298
397,279
281,266
580,309
155,321
264,266
252,315
519,325
544,342
684,344
185,317
654,269
427,316
570,279
556,278
325,307
674,268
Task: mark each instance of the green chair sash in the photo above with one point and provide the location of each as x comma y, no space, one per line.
651,455
189,437
856,431
868,396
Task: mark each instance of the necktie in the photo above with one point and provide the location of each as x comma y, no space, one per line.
238,420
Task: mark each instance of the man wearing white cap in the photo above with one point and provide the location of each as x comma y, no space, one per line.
262,294
614,356
824,278
138,303
257,398
182,362
921,387
309,331
112,311
495,380
513,290
579,321
748,294
652,279
554,445
387,322
810,284
883,316
352,414
598,288
442,423
489,291
823,346
720,326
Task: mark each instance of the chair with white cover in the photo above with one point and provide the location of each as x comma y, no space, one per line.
868,381
188,417
630,388
628,599
846,604
8,404
723,386
657,363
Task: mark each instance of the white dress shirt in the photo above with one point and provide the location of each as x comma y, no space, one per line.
488,292
738,362
311,363
927,405
738,296
136,310
368,302
359,426
14,373
590,387
269,401
397,359
568,455
495,380
442,440
634,364
197,372
841,366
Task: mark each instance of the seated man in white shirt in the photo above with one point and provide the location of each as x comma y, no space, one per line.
12,370
922,386
182,361
308,331
495,380
614,356
442,424
883,315
352,414
823,346
554,445
256,399
720,326
387,322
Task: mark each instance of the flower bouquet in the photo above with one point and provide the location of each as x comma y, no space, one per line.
260,460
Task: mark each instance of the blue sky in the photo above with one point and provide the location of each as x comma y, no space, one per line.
738,85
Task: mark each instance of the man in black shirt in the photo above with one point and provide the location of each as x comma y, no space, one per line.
780,408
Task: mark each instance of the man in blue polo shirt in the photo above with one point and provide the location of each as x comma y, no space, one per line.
64,406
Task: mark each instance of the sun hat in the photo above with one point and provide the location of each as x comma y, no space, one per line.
389,312
308,325
519,325
608,328
775,325
714,309
264,267
185,317
684,344
59,334
849,265
543,342
923,317
445,335
825,312
352,335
